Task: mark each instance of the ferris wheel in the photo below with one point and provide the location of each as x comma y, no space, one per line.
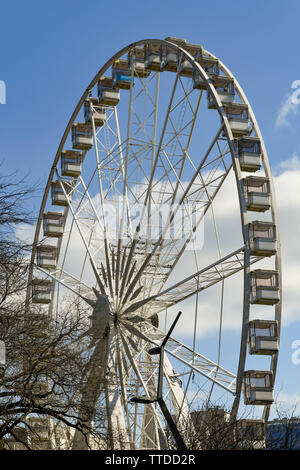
160,198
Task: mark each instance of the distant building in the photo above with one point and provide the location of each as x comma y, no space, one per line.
45,437
283,434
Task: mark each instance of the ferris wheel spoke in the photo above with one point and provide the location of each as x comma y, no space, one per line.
144,88
70,282
136,331
171,169
147,368
180,163
168,148
143,381
107,140
202,279
148,425
125,210
190,358
118,430
178,396
177,131
150,429
123,375
143,385
104,377
136,157
121,175
80,214
139,157
212,182
200,196
109,158
148,191
142,124
91,389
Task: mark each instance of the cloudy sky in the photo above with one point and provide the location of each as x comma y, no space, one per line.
49,52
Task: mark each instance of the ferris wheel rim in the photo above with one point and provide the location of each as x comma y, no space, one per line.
227,129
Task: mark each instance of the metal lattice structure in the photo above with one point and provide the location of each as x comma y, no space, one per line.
155,139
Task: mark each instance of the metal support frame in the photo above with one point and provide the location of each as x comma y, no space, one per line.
159,398
133,276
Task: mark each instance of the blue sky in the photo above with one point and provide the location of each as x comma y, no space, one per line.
49,52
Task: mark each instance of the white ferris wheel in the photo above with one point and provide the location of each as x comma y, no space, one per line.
161,146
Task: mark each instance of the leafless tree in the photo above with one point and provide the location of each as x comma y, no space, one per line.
46,358
213,429
49,360
44,371
283,432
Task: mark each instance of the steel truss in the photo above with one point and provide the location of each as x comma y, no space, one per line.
148,172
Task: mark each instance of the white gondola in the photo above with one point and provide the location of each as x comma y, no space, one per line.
178,41
250,434
136,59
71,162
263,337
121,74
210,415
258,387
249,150
238,117
107,95
210,66
46,256
264,287
257,193
40,428
186,68
152,57
262,237
94,112
57,193
53,224
225,89
82,136
169,56
41,291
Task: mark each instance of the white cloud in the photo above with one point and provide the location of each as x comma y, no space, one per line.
287,192
292,164
287,184
286,405
25,233
288,107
